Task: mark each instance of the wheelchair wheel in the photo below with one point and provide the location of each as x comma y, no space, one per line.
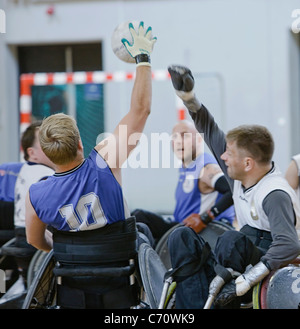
256,296
35,263
162,248
210,234
42,292
171,297
152,273
284,282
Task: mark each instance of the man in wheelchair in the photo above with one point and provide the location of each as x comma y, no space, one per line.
266,207
16,252
83,201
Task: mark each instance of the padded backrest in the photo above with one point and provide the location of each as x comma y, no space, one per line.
112,243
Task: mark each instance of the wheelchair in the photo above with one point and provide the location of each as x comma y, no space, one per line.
210,234
7,233
146,269
24,263
280,289
282,282
114,256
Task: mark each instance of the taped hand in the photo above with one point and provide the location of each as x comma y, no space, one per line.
250,278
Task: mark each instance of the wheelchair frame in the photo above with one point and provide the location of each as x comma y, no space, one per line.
42,292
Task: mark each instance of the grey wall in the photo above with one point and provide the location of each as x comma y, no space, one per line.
243,53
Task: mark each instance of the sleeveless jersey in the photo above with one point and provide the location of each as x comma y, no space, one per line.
30,173
85,198
8,176
249,202
188,197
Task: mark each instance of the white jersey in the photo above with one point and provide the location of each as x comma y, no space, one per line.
249,202
30,173
296,158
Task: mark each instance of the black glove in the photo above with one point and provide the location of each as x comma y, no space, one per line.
182,78
183,83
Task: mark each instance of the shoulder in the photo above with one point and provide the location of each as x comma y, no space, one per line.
296,159
210,168
96,161
277,198
275,186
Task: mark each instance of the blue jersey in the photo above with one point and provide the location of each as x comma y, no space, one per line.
188,197
8,176
85,198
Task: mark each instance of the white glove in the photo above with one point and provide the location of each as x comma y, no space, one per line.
248,279
142,44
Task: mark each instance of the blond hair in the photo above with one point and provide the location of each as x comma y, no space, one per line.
59,138
256,140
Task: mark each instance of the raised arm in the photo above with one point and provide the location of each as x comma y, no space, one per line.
183,82
116,148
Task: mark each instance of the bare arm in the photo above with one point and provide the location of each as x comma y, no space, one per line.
208,176
36,232
291,175
116,148
213,179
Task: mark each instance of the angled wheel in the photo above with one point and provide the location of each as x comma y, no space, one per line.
152,272
210,234
42,292
35,263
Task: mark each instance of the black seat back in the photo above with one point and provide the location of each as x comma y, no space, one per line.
113,243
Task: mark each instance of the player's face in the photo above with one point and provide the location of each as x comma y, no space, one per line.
185,142
233,158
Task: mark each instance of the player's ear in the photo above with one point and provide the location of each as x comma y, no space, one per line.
80,145
249,163
30,152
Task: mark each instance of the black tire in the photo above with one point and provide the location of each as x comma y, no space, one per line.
35,263
42,292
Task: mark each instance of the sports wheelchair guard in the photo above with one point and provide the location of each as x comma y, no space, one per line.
280,289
